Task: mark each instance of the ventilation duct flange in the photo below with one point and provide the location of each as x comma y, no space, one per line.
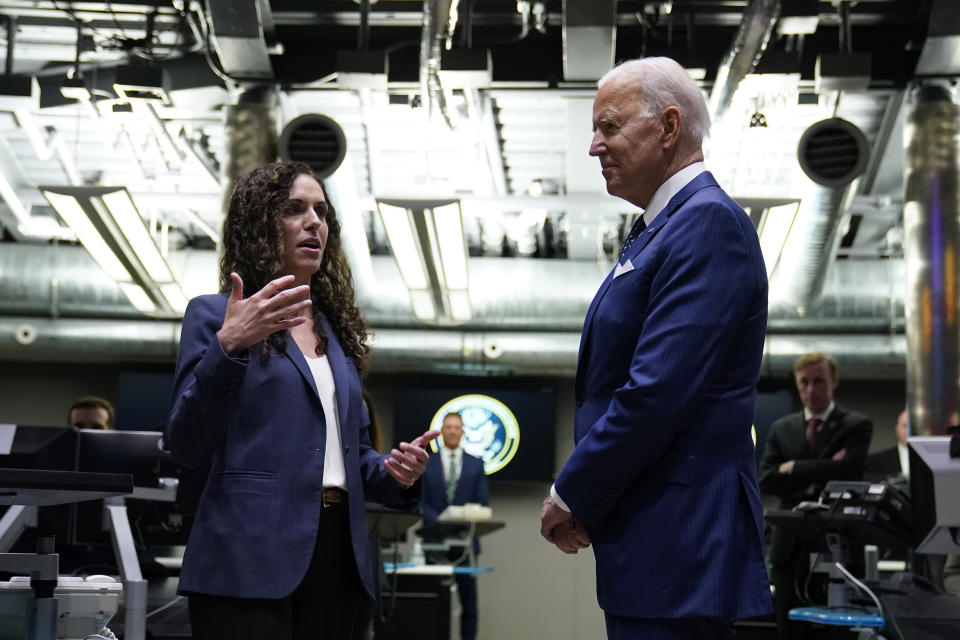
832,152
315,140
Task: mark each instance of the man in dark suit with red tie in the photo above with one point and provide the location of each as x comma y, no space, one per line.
803,452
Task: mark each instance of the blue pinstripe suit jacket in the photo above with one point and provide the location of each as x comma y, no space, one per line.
663,471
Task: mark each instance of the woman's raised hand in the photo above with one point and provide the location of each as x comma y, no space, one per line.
272,309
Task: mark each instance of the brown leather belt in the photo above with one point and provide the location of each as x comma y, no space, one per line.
333,497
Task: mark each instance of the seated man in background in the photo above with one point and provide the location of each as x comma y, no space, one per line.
803,452
91,412
896,459
455,478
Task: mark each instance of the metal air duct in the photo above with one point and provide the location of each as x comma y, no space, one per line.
250,131
860,296
396,350
439,22
748,46
931,218
589,38
832,153
237,33
315,140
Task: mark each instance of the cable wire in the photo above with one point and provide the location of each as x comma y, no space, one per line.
849,576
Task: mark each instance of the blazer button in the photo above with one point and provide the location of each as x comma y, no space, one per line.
346,449
579,403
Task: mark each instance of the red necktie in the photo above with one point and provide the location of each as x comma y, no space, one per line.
812,425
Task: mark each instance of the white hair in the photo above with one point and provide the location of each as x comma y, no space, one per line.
664,83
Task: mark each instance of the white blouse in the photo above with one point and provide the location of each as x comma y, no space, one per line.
334,474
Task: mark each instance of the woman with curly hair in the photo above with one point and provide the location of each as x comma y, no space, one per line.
267,391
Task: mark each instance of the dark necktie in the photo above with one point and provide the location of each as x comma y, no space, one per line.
635,232
451,478
813,424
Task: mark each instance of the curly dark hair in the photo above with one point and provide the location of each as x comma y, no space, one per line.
253,248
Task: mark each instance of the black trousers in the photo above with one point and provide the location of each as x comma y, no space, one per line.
329,604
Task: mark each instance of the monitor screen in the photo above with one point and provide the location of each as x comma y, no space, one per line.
35,447
51,448
934,487
512,430
138,453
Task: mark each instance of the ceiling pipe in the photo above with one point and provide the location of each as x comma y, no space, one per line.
832,153
748,46
439,23
545,295
250,132
931,217
396,350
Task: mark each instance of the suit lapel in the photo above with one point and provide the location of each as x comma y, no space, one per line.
338,368
300,362
341,374
705,179
585,335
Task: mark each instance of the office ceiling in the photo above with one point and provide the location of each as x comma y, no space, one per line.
516,153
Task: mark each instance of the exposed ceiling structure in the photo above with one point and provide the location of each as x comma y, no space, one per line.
485,102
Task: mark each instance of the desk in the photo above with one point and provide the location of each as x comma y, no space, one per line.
418,605
26,489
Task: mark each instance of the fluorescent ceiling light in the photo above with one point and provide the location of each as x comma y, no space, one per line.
423,307
131,226
9,195
400,234
75,89
138,81
107,223
774,229
453,253
174,296
426,237
75,217
460,306
138,297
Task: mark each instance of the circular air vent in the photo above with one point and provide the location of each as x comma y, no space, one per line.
832,152
315,140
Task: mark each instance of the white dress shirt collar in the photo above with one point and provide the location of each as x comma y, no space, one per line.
662,196
445,455
822,416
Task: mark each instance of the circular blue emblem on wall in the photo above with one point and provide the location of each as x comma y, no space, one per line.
490,430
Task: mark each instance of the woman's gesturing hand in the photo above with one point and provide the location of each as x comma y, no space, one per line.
408,463
269,310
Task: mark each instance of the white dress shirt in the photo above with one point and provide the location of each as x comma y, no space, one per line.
822,416
664,194
334,473
445,454
904,458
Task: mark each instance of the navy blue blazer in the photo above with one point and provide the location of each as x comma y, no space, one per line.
471,486
663,473
262,427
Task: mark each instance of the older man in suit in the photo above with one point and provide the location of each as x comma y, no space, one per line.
804,451
892,461
454,478
662,479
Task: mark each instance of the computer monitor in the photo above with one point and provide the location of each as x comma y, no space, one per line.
38,447
140,454
934,487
